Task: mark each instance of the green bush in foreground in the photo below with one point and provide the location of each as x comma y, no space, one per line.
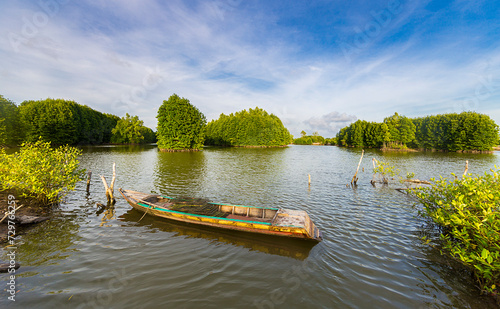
40,172
468,214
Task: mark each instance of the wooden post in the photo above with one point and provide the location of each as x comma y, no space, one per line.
466,168
112,187
109,190
89,176
354,178
309,176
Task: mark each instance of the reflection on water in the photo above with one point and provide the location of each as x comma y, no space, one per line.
297,249
117,148
174,172
108,214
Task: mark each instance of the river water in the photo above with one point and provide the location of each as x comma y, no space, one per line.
371,256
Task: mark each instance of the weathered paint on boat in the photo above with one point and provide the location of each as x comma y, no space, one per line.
264,220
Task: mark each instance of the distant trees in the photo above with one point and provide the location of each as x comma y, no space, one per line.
181,126
456,132
364,134
53,120
254,127
450,132
131,130
3,134
11,132
305,139
65,122
401,131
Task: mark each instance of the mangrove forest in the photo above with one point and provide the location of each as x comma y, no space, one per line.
254,127
65,122
181,125
467,131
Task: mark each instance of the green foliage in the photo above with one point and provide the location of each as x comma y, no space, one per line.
131,130
468,131
385,171
401,131
468,213
254,127
309,140
40,172
3,132
363,134
65,122
11,132
181,126
52,120
95,127
305,140
331,141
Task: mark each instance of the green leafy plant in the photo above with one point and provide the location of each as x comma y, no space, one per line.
40,172
467,212
409,178
385,171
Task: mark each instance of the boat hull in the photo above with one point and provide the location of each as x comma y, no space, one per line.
264,224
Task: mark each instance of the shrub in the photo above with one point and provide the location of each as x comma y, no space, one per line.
467,212
181,126
40,172
385,171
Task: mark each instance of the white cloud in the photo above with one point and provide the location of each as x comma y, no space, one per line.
329,124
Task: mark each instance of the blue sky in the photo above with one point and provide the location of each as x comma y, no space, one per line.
318,65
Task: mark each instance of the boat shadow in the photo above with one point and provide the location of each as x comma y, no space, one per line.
295,248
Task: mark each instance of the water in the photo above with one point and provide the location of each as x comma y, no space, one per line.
371,256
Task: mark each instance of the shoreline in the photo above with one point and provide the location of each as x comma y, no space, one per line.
27,210
473,151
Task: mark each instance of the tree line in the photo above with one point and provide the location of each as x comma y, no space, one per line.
181,126
314,139
65,122
254,127
467,131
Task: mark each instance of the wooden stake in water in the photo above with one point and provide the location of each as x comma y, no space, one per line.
89,176
309,175
354,178
466,168
109,190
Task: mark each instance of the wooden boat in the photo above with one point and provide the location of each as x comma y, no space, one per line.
264,220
